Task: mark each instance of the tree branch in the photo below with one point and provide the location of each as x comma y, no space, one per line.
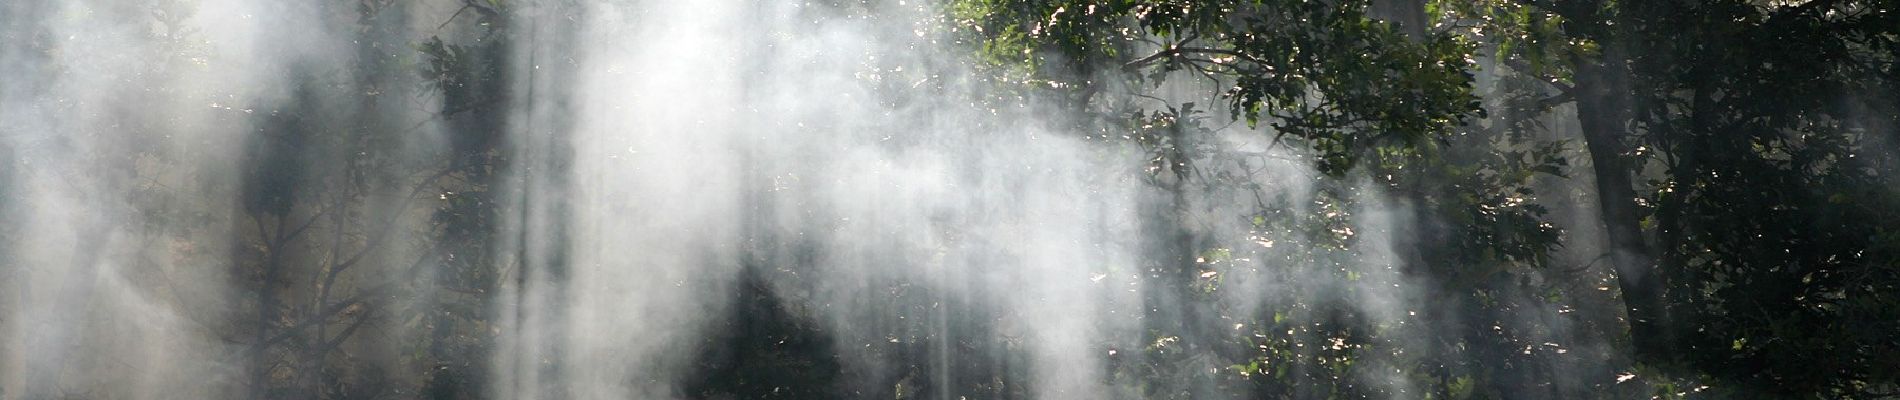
376,241
332,344
332,310
1180,51
1520,67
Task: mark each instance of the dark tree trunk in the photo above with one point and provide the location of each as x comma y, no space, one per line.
1602,112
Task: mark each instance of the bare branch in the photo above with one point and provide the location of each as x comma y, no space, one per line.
377,240
332,344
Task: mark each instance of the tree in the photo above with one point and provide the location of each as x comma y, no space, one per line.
1390,100
1740,117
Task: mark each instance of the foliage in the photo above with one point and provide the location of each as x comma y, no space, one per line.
1319,71
1764,163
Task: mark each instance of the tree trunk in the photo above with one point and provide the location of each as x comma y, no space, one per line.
266,307
1602,112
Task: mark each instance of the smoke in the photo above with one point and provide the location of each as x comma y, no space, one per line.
137,136
939,232
840,148
120,125
835,141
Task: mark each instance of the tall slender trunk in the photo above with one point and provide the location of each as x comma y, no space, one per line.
266,305
1602,112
